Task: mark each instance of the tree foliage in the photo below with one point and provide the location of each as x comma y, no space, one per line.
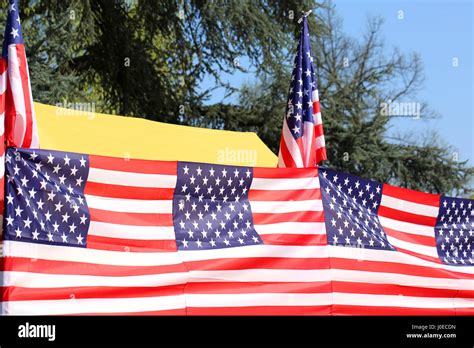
148,59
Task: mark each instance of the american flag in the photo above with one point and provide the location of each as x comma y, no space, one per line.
302,141
19,114
100,235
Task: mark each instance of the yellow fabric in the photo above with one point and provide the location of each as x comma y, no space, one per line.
109,135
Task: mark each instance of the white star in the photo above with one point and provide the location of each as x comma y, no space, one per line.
83,162
9,221
50,236
18,211
186,169
24,181
199,171
10,199
56,227
27,222
64,238
247,173
58,206
18,232
47,215
79,181
51,196
185,243
184,188
74,171
72,228
79,239
211,172
14,33
296,129
62,179
50,158
65,217
224,172
35,234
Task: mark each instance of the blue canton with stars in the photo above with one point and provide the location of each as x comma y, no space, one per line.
454,231
44,200
211,208
350,210
303,84
13,34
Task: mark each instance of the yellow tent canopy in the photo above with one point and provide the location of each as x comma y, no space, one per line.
109,135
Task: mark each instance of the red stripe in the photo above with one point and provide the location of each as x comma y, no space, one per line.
23,68
300,216
410,237
128,192
294,239
285,154
14,293
262,310
321,154
133,165
258,287
136,219
167,312
401,215
411,195
23,264
244,263
130,245
285,173
389,289
384,310
284,195
421,256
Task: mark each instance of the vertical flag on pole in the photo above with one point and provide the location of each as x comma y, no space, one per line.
302,140
20,122
17,116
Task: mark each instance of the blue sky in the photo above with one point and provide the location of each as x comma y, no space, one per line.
440,31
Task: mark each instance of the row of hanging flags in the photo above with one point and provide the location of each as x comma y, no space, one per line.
86,234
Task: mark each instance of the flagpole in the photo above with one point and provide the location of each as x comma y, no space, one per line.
305,14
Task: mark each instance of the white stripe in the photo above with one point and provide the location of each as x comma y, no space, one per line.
260,299
337,298
317,119
18,96
255,251
3,82
103,257
44,280
401,301
285,184
277,207
308,141
292,146
34,135
113,177
104,229
327,275
292,228
416,248
93,305
130,205
2,124
320,142
2,165
409,207
407,227
117,305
